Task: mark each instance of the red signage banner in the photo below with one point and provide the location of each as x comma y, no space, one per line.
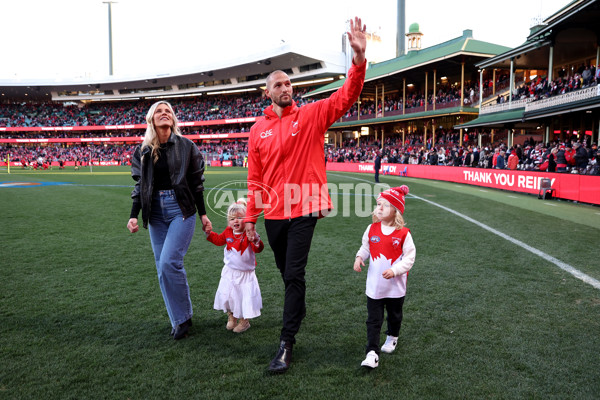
67,164
126,139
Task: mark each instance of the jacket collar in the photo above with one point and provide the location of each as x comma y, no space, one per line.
270,114
171,138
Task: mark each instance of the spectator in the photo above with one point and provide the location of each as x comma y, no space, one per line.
552,160
377,166
500,161
468,158
561,161
581,157
495,157
570,155
513,160
433,157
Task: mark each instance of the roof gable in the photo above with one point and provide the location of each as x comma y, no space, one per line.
461,45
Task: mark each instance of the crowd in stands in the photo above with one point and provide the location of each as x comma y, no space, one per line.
445,151
568,156
502,82
84,153
235,150
205,108
447,94
208,108
28,155
96,114
539,88
229,128
559,156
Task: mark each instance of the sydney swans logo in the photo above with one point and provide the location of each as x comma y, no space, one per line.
220,197
295,127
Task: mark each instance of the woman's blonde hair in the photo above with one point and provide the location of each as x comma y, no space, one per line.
237,207
151,137
398,219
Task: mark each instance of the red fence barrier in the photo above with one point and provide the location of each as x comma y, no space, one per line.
124,126
17,164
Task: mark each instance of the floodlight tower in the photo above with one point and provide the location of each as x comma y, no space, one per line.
400,28
110,57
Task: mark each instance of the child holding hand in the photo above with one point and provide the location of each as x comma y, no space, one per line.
392,254
238,293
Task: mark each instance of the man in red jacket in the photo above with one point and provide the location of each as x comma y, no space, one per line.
287,179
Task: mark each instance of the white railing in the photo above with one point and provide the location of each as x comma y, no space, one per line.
566,98
504,106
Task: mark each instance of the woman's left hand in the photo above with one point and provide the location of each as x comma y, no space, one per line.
206,224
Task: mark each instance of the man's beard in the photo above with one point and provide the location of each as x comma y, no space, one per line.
283,103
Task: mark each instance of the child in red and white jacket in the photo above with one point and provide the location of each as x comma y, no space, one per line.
392,254
238,293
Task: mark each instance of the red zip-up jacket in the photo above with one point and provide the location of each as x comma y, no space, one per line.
286,159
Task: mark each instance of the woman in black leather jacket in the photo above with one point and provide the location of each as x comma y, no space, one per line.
169,174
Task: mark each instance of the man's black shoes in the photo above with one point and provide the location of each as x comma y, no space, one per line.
282,360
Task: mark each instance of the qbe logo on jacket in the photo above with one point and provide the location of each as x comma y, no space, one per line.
266,134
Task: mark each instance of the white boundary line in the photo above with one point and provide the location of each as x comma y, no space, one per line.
564,266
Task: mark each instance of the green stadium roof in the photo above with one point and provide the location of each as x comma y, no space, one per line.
497,119
403,117
463,45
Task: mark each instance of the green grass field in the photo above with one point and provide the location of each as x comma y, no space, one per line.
81,315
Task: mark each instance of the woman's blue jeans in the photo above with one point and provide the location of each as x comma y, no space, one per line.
171,235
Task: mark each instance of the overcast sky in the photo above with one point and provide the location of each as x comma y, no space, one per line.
69,38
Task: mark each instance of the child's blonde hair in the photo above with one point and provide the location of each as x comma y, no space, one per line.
398,219
237,208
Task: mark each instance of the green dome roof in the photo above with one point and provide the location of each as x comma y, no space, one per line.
413,28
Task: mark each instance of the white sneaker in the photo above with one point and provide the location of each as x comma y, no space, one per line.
371,361
390,344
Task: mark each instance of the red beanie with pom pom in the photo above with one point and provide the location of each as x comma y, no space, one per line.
395,196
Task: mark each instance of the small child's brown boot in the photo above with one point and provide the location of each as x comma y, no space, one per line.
231,321
242,326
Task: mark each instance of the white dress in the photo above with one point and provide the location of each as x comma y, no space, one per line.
238,289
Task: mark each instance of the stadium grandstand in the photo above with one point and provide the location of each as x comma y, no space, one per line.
214,106
463,102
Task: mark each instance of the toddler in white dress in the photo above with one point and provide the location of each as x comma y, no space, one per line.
238,293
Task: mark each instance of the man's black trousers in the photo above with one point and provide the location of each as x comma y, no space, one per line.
290,241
